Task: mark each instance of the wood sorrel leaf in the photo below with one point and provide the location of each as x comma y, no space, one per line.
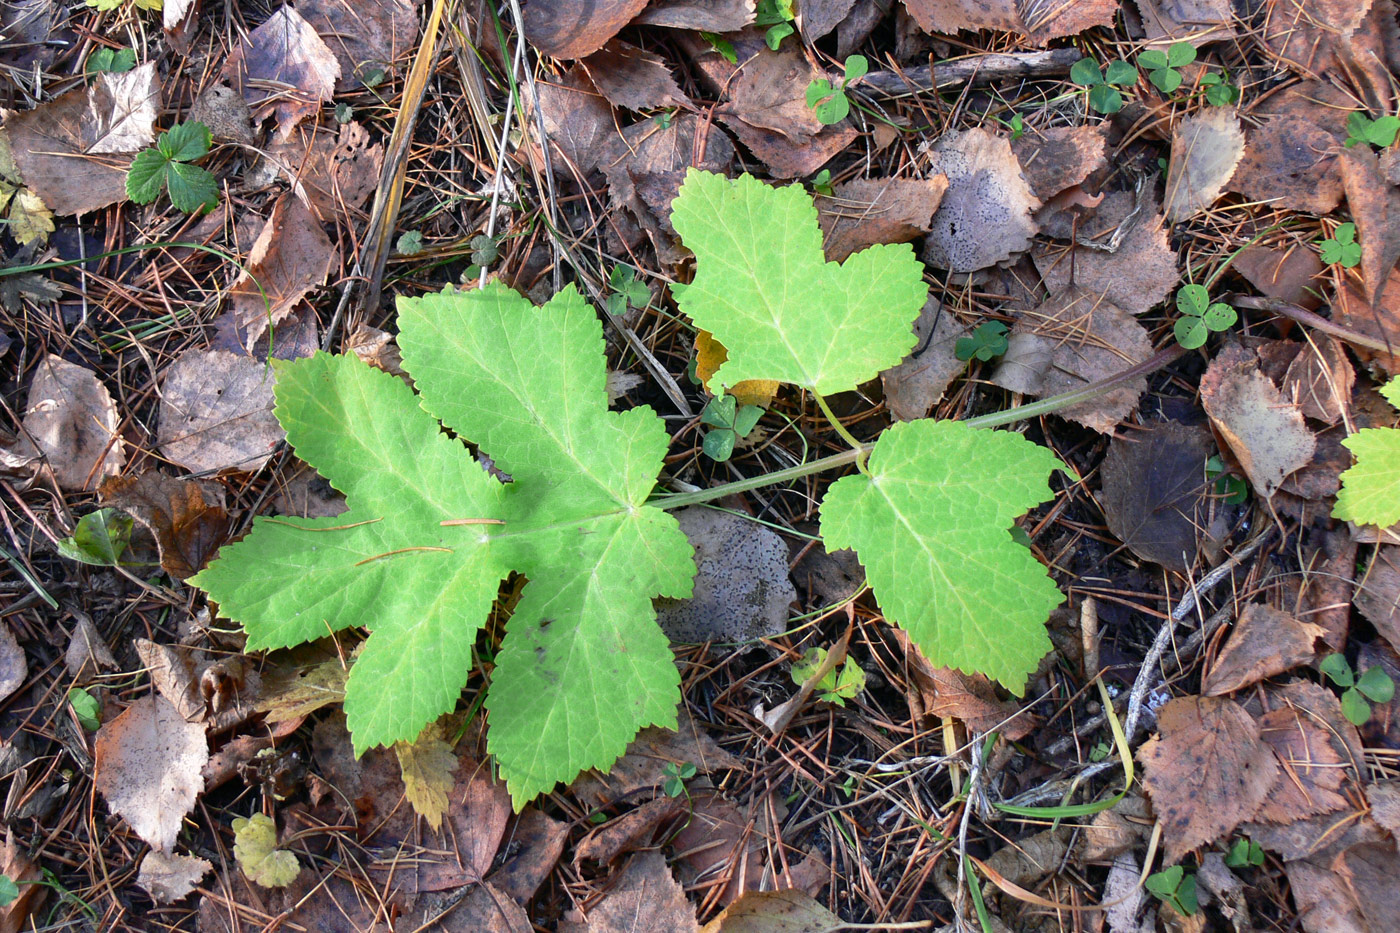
764,289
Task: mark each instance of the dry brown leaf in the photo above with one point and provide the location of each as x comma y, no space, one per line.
643,766
87,654
16,865
1137,276
1060,158
291,257
1312,766
1206,770
216,412
644,896
1384,798
723,846
427,766
867,211
1264,642
1069,341
226,113
1380,321
336,172
786,911
633,79
710,355
1038,22
917,384
284,69
1263,430
1154,488
816,18
1196,21
71,417
1378,593
633,830
699,15
74,150
1375,206
537,841
567,29
769,92
1283,274
985,216
364,37
485,910
14,669
968,698
578,122
148,768
173,12
1290,162
187,517
1370,871
742,591
1325,903
789,158
290,694
174,672
1315,38
168,878
1320,380
1206,148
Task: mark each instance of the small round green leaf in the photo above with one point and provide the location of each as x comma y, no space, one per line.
1085,73
1220,317
833,110
185,142
1376,685
1355,708
146,176
8,890
1120,73
1336,668
1192,299
856,67
1191,332
719,444
1105,99
1166,80
86,708
1154,60
1180,53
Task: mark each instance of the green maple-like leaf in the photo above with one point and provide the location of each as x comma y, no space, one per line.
1370,493
764,289
583,665
931,524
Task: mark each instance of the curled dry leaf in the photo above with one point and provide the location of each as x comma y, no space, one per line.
537,841
917,384
283,68
148,768
1313,765
1069,341
867,211
1137,275
16,865
816,18
74,150
1060,158
1375,206
969,698
1206,148
1263,430
337,172
1265,642
291,257
1039,23
985,216
216,412
742,590
364,37
87,653
73,421
187,517
226,113
566,29
1154,489
1380,321
290,694
634,830
633,79
168,877
644,896
1320,380
1207,770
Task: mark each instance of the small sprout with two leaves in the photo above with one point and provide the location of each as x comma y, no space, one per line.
626,290
777,15
831,103
1245,853
675,777
841,683
1200,316
115,61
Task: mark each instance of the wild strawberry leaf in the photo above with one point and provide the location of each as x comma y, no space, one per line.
931,524
1370,493
583,665
764,289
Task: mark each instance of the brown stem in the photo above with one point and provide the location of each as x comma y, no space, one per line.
1309,319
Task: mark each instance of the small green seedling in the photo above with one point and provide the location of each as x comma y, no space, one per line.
840,683
721,45
8,890
1175,887
626,290
1232,489
1245,853
777,15
167,165
1103,85
1200,316
730,421
115,61
1378,132
821,184
1219,91
100,538
1162,66
664,118
1342,247
987,342
831,103
344,113
410,243
676,775
485,249
1374,685
86,708
1017,125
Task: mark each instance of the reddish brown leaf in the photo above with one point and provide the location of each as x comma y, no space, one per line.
186,516
698,15
1311,772
816,18
917,384
1375,206
643,766
1370,871
578,122
1154,488
1038,24
537,841
1265,642
1196,21
644,897
16,865
1287,275
283,68
71,417
1379,321
1320,379
968,698
291,256
364,37
867,211
567,29
633,79
336,172
1206,770
633,830
1060,158
1292,163
1264,430
1378,593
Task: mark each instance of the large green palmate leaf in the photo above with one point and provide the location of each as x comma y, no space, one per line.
583,665
1370,493
931,524
764,289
